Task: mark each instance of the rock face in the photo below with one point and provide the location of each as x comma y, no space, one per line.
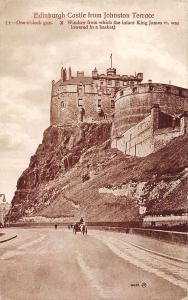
74,173
59,152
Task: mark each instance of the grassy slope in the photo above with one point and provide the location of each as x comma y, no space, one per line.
111,168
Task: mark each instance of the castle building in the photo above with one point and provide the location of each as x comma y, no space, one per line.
151,133
148,116
87,99
144,116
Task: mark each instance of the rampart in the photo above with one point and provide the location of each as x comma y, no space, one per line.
152,133
133,104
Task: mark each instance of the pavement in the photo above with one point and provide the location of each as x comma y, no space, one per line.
49,264
173,250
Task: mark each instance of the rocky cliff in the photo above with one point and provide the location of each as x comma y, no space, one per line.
74,172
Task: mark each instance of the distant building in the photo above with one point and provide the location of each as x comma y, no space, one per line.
4,209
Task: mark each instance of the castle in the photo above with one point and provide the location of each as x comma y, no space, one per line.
144,116
87,99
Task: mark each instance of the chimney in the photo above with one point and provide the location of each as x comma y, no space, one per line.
155,110
63,74
62,70
53,85
94,72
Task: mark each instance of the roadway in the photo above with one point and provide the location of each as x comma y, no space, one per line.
49,264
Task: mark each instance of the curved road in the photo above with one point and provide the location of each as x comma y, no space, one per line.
48,264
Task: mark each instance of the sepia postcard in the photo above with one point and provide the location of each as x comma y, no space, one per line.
93,149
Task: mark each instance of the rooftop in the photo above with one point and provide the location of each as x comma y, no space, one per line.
76,80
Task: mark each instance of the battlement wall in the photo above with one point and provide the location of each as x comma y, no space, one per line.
133,104
154,88
137,140
152,133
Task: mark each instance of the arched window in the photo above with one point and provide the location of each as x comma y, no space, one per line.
62,104
134,89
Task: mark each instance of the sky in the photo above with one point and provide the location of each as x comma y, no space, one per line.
31,56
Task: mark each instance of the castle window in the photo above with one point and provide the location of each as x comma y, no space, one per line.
150,88
80,102
80,88
112,103
134,89
99,102
117,82
109,82
62,104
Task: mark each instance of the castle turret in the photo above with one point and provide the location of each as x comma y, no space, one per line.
111,72
53,107
94,72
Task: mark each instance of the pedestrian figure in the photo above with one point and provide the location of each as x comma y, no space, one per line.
55,226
